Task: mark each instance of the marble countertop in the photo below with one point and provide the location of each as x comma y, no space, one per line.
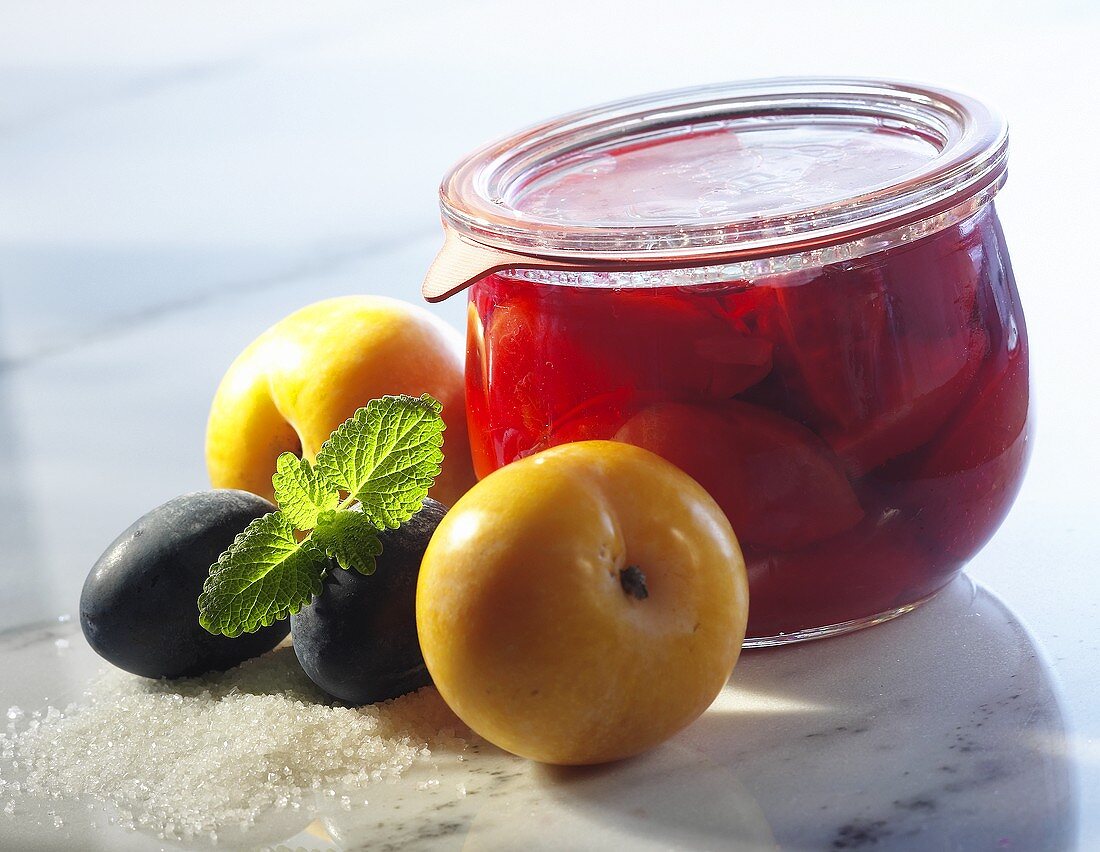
175,179
940,730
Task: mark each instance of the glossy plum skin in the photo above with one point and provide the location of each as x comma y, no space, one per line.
865,425
357,641
138,607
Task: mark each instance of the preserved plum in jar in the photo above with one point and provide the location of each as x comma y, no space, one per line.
858,406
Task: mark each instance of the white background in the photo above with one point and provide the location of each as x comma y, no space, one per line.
176,177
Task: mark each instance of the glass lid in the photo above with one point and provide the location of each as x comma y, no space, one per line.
737,170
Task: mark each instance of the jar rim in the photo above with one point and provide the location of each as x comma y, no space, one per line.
969,147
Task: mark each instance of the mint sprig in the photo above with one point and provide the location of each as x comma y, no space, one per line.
373,473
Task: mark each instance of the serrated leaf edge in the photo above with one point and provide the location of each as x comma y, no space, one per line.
281,613
300,468
334,556
410,506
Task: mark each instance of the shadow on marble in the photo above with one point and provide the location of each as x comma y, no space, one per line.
940,730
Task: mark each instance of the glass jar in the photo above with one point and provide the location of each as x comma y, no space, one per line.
797,291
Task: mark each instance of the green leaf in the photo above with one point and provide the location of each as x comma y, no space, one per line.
386,456
349,538
264,576
301,491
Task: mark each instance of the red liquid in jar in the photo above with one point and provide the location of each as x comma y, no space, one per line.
864,426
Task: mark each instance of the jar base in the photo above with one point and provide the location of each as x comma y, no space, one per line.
835,629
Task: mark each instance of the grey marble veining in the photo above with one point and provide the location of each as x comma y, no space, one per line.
127,289
940,730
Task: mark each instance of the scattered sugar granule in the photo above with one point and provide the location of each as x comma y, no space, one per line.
188,757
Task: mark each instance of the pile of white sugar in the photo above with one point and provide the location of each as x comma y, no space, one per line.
183,758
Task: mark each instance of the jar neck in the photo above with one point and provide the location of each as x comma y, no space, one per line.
461,261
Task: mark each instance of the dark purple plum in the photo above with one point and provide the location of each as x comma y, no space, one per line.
138,608
357,640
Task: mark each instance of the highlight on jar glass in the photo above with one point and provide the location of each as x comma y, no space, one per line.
796,290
